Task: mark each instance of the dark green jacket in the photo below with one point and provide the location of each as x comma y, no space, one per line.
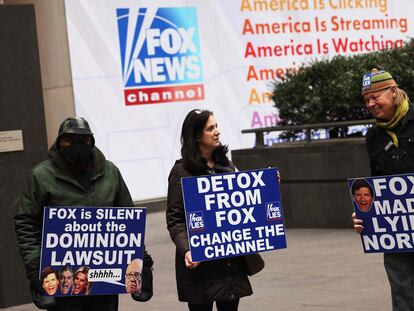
51,183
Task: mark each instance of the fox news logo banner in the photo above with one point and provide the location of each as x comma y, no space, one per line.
233,214
160,55
386,206
92,250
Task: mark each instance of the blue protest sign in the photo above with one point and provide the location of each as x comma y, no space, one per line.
92,250
233,214
385,205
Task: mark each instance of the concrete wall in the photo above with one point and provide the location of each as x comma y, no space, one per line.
314,178
54,62
56,89
21,109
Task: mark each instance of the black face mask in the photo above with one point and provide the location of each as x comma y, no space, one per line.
77,153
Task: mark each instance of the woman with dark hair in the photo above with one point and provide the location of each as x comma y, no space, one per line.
391,151
224,281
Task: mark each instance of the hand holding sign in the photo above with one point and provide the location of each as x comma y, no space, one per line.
357,223
189,263
384,212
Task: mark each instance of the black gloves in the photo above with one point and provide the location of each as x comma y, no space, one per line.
38,295
146,289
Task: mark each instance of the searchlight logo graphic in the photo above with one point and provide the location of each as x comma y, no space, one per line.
160,55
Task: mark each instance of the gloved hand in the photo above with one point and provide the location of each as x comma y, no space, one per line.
146,288
40,299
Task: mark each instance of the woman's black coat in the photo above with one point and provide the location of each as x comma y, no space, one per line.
222,279
387,159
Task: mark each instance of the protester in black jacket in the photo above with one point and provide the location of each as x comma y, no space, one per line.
200,284
390,146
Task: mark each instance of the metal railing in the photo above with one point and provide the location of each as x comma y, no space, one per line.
259,132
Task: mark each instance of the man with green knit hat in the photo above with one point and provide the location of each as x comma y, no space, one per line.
390,146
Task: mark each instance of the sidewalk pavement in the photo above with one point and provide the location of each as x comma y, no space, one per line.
321,270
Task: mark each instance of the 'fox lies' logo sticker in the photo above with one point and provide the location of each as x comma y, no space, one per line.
273,211
366,80
195,221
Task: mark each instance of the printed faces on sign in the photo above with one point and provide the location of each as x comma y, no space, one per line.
386,206
92,250
233,214
160,55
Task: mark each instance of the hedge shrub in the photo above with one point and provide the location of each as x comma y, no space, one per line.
330,90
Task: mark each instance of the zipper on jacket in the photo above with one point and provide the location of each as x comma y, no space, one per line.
92,193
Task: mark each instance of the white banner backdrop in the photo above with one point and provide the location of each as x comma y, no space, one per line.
207,54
